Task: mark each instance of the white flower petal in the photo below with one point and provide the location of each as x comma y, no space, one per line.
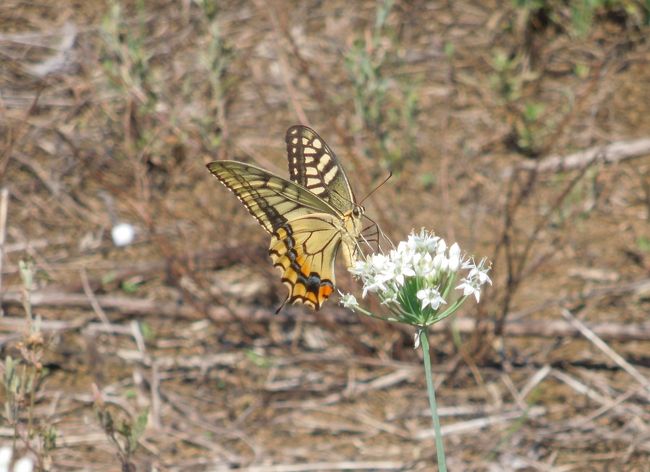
430,296
349,301
454,257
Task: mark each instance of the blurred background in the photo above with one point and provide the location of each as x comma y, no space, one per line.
137,294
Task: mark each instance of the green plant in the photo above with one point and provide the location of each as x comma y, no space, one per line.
124,56
530,128
21,380
643,243
123,434
418,284
126,63
508,79
582,15
383,105
216,60
578,17
257,359
131,286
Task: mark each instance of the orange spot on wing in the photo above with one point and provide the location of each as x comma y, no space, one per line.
325,291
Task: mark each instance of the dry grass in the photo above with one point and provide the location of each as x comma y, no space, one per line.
109,114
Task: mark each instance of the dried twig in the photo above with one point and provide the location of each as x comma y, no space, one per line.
580,422
608,154
97,308
155,396
608,351
534,328
540,375
320,466
4,203
464,427
581,388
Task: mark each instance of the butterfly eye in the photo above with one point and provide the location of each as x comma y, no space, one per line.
358,211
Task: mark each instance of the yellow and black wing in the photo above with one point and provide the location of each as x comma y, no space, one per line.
305,251
313,165
307,232
272,200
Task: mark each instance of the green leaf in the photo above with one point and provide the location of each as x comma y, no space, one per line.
643,242
138,429
257,359
129,286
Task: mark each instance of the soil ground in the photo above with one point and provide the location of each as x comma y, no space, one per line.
166,354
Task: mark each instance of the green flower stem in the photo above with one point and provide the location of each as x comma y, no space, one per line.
362,310
440,448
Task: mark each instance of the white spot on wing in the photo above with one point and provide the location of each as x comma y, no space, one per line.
311,171
317,143
330,175
305,141
309,150
324,160
311,182
309,159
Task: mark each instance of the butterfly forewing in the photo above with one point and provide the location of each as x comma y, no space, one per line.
270,199
313,165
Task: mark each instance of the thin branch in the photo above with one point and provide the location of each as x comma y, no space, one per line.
608,154
319,466
471,426
525,328
97,308
608,351
4,203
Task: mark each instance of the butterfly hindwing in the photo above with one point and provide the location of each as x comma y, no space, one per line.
307,271
314,165
305,251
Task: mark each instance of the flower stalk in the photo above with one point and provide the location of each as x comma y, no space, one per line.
418,284
440,447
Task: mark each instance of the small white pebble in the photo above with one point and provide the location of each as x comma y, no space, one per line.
123,234
24,465
5,459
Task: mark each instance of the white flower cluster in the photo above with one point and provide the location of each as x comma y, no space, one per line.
417,276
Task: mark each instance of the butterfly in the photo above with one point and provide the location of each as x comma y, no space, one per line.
311,218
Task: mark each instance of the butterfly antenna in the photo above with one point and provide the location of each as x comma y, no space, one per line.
390,174
366,241
371,234
379,234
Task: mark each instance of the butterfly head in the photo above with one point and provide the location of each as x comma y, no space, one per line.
357,211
